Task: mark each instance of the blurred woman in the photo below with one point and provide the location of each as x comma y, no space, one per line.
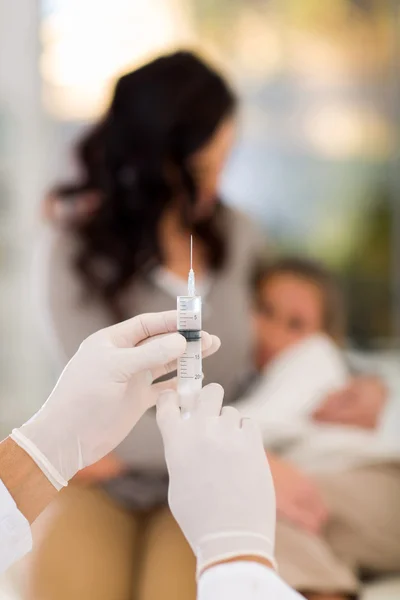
149,173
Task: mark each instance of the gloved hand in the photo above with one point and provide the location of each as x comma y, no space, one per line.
102,393
221,491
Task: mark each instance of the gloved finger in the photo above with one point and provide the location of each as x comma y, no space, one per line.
249,425
129,333
154,355
210,400
158,388
168,412
209,345
160,371
231,417
214,347
252,429
162,386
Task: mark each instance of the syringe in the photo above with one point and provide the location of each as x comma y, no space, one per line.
190,372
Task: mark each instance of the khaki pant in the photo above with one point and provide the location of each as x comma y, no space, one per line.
94,550
363,533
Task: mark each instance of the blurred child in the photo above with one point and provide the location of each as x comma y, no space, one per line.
346,477
295,298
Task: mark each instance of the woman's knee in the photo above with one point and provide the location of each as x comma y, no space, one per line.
85,548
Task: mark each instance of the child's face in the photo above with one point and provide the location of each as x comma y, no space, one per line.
290,308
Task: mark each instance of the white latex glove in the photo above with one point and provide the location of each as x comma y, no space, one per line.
103,391
221,491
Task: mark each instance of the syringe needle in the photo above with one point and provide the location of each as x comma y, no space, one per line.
191,280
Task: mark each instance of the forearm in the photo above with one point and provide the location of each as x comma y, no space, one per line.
27,484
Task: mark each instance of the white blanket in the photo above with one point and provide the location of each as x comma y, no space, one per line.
289,391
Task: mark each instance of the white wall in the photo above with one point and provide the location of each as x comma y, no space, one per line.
23,372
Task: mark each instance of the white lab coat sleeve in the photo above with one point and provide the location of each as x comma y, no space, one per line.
15,531
243,581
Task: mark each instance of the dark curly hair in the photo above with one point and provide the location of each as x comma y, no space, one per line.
160,115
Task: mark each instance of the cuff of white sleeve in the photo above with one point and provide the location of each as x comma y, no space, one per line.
15,531
243,580
42,462
217,548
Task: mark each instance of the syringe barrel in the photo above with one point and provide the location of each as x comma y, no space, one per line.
190,372
189,313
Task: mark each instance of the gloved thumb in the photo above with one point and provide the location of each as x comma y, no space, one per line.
154,354
168,412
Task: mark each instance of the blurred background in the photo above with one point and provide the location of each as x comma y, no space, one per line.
316,160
